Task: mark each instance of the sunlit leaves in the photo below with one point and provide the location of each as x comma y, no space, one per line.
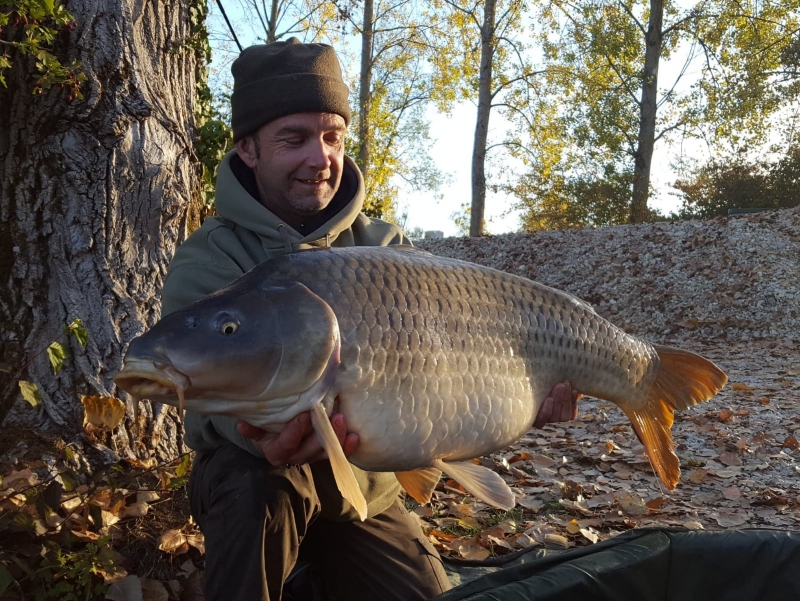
594,57
77,330
30,27
30,392
57,352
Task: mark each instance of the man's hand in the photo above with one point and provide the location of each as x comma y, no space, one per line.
297,443
560,406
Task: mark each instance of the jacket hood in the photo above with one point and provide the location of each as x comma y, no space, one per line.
234,203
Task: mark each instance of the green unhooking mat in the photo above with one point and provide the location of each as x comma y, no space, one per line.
650,565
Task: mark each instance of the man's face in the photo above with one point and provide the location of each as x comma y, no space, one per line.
298,161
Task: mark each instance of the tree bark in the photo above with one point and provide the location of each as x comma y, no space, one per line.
365,89
95,195
272,23
482,126
647,112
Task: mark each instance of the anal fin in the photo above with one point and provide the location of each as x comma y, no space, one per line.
342,471
420,483
481,482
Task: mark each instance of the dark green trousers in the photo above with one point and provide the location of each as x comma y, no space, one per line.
258,521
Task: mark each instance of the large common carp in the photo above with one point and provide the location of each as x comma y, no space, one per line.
432,361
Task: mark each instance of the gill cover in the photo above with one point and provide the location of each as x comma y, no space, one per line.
308,333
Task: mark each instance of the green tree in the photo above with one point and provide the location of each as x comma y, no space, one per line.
575,200
603,58
736,182
477,56
392,90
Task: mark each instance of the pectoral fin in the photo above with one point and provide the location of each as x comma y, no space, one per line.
342,472
480,481
420,483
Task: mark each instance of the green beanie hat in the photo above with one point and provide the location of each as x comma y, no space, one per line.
282,78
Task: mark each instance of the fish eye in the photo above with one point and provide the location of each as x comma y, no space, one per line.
229,327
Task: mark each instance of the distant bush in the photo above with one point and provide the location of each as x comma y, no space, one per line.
736,183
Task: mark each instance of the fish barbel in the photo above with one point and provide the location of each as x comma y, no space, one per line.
432,361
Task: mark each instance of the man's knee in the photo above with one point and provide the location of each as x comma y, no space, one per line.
249,488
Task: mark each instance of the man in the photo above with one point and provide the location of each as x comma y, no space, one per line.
263,500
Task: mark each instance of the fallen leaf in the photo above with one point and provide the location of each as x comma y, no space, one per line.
557,540
153,590
573,527
173,541
790,442
725,415
193,588
102,411
17,480
654,504
731,519
590,534
473,551
135,510
741,386
525,541
522,456
698,476
732,493
632,505
127,589
729,458
529,502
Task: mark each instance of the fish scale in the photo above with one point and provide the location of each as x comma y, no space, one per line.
433,361
478,334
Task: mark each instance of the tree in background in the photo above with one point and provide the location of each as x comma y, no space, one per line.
392,139
96,191
607,106
477,56
736,182
272,20
580,200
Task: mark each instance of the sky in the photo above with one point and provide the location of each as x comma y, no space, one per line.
451,150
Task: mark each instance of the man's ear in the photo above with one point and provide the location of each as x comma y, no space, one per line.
246,147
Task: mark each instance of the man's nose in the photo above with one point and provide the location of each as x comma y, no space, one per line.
318,154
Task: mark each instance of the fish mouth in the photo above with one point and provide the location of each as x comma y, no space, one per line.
142,378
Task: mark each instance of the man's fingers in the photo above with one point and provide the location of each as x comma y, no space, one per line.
337,421
565,404
545,413
281,449
350,444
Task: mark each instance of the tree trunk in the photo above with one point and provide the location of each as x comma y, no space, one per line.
272,23
365,90
95,195
482,127
647,114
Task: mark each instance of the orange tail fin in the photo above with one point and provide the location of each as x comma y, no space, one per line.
684,379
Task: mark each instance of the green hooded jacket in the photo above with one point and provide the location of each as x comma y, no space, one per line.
243,234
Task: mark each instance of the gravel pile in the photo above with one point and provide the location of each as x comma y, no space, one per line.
733,278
